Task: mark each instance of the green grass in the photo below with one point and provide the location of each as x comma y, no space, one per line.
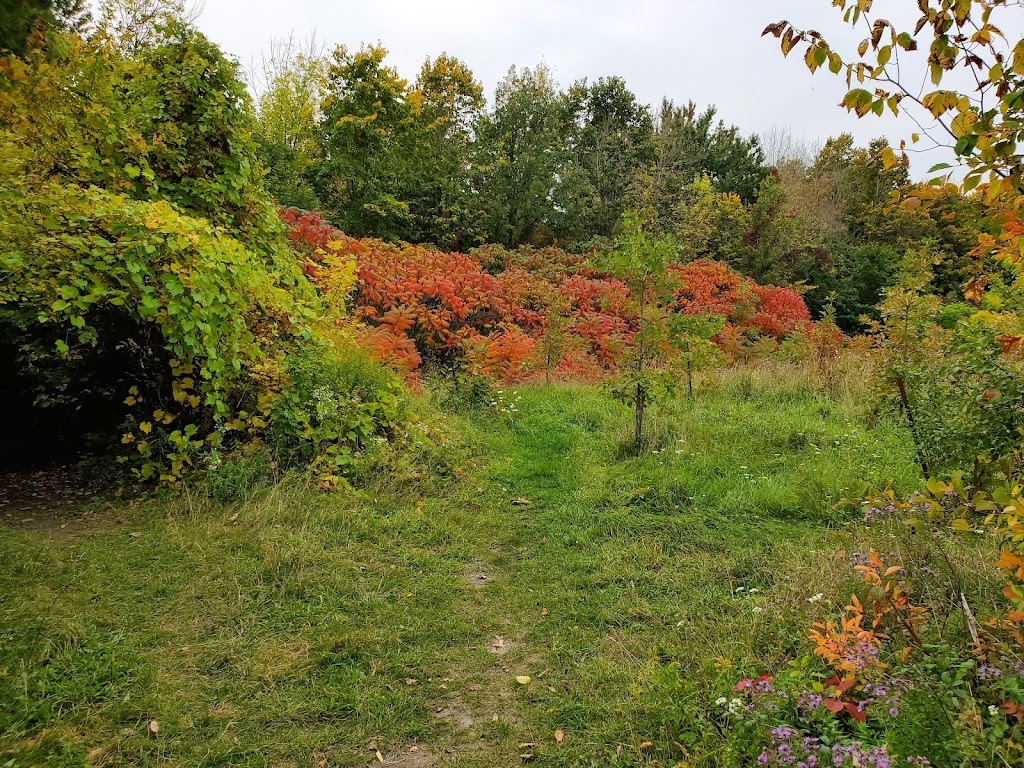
317,630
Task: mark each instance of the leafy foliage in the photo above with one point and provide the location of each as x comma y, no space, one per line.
142,254
512,314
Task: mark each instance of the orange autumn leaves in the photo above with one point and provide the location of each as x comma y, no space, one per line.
496,310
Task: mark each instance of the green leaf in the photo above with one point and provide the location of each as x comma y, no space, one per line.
966,144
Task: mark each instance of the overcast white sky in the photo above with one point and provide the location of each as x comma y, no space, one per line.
708,51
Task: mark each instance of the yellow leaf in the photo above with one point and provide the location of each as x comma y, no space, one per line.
559,736
146,427
523,679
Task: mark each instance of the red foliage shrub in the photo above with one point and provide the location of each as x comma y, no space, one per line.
500,355
711,286
780,311
488,307
707,286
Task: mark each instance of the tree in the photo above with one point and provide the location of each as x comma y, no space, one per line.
553,343
367,118
146,284
691,335
136,24
288,112
449,102
21,19
610,138
640,258
691,144
519,155
981,126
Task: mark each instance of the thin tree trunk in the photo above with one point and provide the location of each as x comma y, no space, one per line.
905,400
639,415
689,376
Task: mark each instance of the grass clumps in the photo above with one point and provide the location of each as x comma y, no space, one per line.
293,626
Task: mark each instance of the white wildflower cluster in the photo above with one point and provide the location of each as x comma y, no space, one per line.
506,402
733,707
815,598
326,403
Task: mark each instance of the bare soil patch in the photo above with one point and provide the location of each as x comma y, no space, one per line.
414,756
48,498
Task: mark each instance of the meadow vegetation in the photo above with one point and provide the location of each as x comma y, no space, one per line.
285,625
360,423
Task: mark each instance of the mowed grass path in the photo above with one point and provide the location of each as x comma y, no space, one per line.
302,629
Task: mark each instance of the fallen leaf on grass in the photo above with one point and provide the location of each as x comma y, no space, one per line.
134,534
523,679
544,611
527,745
521,502
546,671
411,681
645,745
559,736
154,729
380,757
526,756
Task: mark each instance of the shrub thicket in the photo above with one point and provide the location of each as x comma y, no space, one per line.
146,281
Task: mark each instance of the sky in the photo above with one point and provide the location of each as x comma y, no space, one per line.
707,51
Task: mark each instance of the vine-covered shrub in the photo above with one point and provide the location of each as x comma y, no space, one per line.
144,272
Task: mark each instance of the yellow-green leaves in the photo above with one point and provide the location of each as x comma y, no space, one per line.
983,124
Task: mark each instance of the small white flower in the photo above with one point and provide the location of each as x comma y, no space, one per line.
721,701
993,710
758,609
752,590
815,598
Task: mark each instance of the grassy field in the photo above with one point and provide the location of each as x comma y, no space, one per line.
303,629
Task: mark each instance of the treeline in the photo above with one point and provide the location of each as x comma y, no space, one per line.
428,161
